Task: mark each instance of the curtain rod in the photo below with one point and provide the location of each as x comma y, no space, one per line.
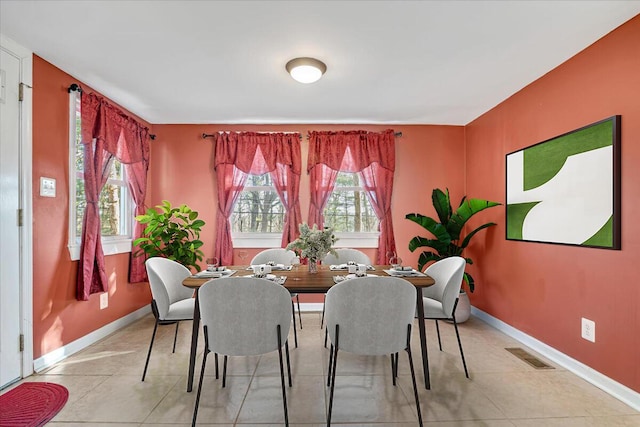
76,88
211,135
396,134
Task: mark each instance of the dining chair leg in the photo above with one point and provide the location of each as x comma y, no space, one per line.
322,320
295,332
330,365
216,360
464,363
413,375
286,349
438,331
204,363
333,375
326,333
153,337
299,312
284,392
393,369
224,372
175,337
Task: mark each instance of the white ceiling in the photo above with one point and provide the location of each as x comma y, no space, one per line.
409,62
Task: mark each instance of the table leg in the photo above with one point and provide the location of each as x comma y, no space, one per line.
423,340
194,343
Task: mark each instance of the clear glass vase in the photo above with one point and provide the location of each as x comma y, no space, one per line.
313,266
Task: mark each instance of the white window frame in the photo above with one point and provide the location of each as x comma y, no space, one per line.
257,240
111,245
367,239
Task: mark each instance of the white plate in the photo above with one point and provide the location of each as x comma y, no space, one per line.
268,277
353,276
213,274
402,273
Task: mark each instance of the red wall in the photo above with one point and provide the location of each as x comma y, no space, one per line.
58,318
543,289
540,289
426,157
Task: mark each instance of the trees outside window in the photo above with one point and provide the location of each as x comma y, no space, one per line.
258,208
114,204
348,209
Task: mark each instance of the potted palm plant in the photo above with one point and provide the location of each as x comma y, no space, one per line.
171,232
448,239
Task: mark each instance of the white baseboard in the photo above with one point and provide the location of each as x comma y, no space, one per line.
311,306
614,388
63,352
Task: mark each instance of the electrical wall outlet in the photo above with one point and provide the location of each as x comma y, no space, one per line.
588,330
104,300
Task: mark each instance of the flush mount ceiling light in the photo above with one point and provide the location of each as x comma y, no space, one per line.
306,70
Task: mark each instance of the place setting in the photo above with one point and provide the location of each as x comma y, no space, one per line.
213,271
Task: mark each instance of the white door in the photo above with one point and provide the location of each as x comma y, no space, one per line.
10,303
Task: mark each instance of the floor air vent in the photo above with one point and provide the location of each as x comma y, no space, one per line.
529,358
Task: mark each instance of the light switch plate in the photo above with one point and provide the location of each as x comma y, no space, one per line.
47,187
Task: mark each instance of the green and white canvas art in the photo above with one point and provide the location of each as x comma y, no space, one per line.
567,189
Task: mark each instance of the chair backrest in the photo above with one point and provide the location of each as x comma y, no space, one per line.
448,275
278,255
165,278
242,315
346,255
373,314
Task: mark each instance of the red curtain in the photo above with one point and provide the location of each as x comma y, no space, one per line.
239,154
107,133
371,154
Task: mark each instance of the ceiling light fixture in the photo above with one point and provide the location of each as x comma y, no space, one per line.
306,70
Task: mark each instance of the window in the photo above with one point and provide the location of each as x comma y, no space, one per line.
258,215
350,213
115,203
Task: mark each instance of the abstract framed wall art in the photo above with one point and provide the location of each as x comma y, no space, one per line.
566,190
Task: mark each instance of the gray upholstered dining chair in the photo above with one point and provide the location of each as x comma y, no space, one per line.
441,299
244,317
343,256
171,301
281,256
371,316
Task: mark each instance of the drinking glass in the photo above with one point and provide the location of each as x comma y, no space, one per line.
396,262
243,255
212,263
390,255
295,266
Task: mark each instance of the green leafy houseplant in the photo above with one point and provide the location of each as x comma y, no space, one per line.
171,232
448,240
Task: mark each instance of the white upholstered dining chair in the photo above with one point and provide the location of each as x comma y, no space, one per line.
441,299
281,256
244,317
371,316
172,302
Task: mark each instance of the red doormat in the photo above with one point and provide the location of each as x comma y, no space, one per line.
31,404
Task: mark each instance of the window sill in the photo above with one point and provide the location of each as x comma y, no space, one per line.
109,247
256,240
357,240
274,240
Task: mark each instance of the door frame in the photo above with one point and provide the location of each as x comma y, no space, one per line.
26,200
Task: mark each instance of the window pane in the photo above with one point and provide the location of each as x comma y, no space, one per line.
348,209
258,209
110,199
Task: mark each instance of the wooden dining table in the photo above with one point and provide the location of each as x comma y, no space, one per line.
301,281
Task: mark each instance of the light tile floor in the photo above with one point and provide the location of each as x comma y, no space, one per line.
105,388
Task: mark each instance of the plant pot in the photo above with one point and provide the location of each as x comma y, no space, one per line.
463,309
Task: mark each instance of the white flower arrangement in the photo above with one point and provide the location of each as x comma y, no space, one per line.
313,244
